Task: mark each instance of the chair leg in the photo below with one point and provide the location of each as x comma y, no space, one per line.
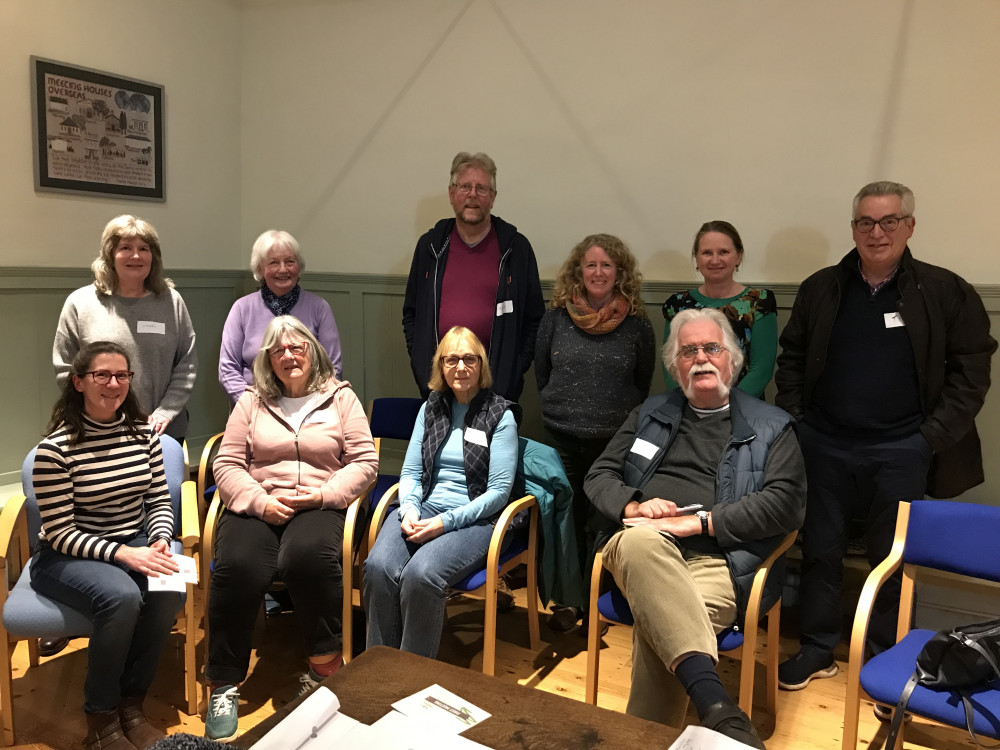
190,664
347,613
32,652
593,655
852,708
534,636
6,694
748,664
490,625
771,659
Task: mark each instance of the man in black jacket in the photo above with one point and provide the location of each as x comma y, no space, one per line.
885,363
478,271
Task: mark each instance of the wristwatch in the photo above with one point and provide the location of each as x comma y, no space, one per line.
703,515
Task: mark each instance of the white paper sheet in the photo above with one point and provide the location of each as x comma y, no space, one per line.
178,581
442,709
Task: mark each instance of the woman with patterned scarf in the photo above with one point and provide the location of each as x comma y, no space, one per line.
276,263
594,362
459,472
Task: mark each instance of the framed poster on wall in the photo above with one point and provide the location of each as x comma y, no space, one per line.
96,132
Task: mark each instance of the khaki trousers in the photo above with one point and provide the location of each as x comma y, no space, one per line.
680,601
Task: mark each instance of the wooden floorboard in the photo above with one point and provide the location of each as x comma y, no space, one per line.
48,698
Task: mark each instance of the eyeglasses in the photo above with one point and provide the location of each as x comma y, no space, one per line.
103,377
469,360
467,187
888,223
711,349
296,350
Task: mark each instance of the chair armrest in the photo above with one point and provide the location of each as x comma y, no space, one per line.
502,527
381,511
879,575
190,523
596,573
203,468
752,616
208,536
13,512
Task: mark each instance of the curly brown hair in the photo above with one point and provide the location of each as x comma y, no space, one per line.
628,280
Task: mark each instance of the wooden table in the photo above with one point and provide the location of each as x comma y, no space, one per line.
521,718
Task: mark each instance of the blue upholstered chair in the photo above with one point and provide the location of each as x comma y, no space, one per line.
930,534
523,548
390,419
611,606
27,615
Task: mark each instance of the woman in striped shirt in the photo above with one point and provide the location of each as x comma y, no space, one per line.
106,525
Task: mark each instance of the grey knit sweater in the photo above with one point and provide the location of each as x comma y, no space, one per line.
589,383
156,332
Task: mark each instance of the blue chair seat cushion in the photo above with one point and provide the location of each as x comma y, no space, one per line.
28,614
884,676
478,579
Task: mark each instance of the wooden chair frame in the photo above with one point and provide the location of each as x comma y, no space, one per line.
746,652
493,568
15,553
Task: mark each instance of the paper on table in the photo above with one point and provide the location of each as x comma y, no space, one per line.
395,731
178,581
442,708
699,738
317,718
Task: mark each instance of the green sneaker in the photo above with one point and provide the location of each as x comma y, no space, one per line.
222,720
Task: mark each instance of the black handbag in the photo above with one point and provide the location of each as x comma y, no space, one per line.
956,660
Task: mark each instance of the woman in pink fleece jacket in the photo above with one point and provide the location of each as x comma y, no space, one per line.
296,452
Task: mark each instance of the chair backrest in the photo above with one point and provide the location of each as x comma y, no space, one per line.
956,537
393,418
173,466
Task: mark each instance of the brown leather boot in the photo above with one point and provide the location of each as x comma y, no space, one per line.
105,732
138,730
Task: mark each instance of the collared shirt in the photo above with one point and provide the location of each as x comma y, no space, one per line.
874,288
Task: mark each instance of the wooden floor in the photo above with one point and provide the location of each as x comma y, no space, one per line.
48,699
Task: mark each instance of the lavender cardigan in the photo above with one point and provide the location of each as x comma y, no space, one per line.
244,331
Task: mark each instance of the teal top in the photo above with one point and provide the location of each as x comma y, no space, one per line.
753,315
449,495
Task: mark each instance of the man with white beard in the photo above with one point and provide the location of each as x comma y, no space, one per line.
687,576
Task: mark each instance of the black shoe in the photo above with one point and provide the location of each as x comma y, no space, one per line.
51,646
807,665
728,719
584,630
563,619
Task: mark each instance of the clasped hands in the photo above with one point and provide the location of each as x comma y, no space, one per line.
418,531
154,560
661,515
280,508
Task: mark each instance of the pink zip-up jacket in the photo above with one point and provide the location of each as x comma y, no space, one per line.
261,455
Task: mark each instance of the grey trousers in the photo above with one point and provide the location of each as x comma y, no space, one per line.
680,600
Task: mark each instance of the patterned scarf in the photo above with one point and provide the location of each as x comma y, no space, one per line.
597,321
279,305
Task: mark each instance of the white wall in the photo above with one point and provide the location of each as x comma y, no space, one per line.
637,117
190,47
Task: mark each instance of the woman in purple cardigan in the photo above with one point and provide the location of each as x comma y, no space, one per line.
276,263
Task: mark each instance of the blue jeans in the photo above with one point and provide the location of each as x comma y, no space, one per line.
406,584
130,624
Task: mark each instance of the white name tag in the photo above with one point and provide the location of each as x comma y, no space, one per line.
507,306
894,320
150,326
644,448
476,437
320,417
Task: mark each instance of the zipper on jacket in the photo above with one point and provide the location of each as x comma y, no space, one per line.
503,259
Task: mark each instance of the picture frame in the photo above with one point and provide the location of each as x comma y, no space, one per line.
96,132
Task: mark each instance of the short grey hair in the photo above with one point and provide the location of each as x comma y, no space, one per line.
464,160
729,339
884,187
268,241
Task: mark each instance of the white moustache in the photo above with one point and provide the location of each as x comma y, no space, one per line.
708,367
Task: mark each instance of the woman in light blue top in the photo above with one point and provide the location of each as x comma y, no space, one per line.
458,475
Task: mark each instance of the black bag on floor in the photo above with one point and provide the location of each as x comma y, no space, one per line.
956,660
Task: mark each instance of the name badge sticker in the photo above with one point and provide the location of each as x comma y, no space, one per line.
476,437
644,448
150,326
320,417
894,320
507,306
